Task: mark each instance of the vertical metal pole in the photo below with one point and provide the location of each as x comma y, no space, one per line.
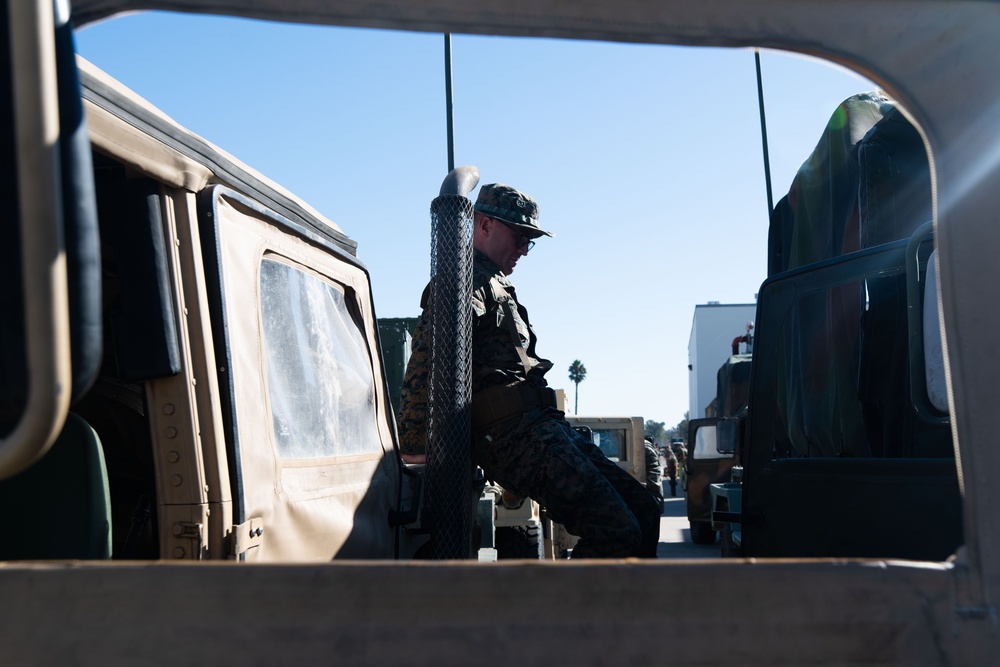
450,498
763,135
449,455
449,105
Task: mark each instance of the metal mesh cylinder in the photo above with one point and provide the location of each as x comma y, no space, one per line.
449,429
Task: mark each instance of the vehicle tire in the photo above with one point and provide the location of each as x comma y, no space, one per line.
702,533
519,542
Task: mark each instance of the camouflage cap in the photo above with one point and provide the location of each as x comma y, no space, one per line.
515,208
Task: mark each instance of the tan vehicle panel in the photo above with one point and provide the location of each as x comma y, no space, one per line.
313,438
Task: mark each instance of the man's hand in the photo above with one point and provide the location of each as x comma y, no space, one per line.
414,458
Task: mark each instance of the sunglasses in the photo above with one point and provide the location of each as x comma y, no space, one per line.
522,240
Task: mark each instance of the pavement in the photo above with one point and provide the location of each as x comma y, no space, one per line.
675,533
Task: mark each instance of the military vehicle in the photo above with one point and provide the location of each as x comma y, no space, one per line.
935,57
200,416
717,388
396,334
707,465
843,422
713,328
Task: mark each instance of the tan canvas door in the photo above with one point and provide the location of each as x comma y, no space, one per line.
311,454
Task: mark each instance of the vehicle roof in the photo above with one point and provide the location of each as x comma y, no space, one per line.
124,125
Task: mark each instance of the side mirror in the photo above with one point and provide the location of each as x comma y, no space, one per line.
703,440
936,384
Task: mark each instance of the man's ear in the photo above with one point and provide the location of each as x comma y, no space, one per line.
483,223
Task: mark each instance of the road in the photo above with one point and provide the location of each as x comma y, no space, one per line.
675,539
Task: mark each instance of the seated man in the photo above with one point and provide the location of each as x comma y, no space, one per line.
520,440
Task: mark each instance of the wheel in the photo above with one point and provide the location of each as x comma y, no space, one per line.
519,542
702,533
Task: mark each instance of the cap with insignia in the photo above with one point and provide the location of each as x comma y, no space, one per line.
511,206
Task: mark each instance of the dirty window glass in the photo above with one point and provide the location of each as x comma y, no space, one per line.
318,372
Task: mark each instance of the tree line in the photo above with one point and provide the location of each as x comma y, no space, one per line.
659,432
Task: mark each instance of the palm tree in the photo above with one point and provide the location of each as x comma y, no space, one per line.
577,374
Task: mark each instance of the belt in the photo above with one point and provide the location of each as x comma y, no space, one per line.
497,404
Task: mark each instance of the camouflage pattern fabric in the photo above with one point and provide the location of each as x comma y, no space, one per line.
538,454
495,360
412,419
654,473
516,208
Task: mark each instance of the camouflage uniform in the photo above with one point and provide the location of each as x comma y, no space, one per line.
534,452
654,472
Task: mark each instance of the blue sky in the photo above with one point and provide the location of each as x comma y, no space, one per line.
646,162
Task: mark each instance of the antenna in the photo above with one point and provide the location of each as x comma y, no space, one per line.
449,106
763,134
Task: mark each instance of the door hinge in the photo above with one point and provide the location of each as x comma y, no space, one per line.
246,536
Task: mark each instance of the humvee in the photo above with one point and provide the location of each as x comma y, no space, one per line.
847,419
200,386
205,419
707,465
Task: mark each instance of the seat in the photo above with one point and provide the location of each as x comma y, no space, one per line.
59,508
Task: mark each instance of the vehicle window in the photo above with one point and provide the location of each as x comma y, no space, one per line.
612,442
844,387
319,375
705,445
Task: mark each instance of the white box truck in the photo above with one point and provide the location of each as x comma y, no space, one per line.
713,329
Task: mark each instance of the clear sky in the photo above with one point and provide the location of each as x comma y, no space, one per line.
646,162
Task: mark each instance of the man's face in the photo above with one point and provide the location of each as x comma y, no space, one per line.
503,244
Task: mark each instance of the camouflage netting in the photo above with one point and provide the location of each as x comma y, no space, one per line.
449,459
